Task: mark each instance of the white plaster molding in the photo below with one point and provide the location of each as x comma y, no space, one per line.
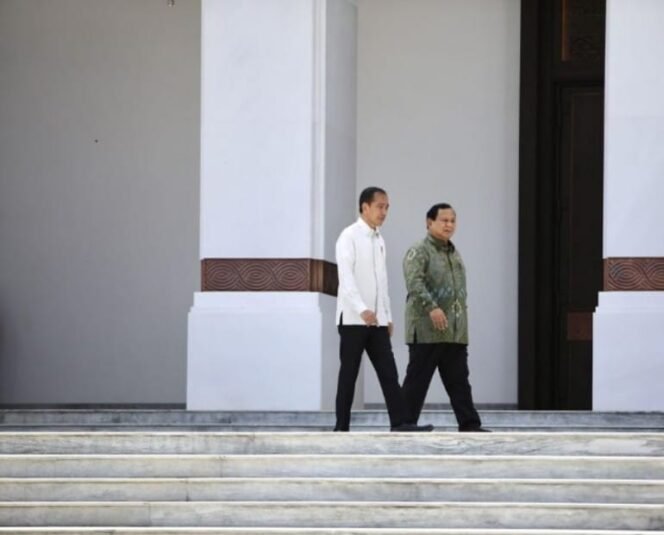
628,352
261,351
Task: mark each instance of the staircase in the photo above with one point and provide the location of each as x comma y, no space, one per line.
177,473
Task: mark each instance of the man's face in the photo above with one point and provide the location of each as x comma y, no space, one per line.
374,213
443,227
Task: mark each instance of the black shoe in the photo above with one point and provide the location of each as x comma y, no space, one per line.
474,430
339,430
411,428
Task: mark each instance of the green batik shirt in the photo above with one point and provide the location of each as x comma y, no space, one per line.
435,278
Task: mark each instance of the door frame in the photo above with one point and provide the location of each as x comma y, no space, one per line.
542,73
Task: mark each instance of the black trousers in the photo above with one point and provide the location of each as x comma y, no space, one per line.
452,363
355,339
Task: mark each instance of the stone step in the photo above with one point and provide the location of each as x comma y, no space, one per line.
315,466
304,531
320,418
335,514
496,419
332,489
586,444
299,429
296,429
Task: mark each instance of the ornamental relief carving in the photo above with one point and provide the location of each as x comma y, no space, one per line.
268,275
634,274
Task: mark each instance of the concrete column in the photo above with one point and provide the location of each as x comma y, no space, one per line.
628,352
277,186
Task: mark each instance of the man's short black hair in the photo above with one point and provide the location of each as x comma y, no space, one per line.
433,211
367,195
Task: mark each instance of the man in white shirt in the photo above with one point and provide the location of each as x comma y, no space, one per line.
364,317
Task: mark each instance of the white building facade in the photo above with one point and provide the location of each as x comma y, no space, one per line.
145,142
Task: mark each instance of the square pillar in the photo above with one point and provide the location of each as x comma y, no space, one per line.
277,186
628,338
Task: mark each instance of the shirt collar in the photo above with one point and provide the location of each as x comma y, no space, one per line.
366,228
439,244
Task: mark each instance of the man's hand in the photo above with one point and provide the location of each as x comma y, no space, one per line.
369,318
438,319
390,328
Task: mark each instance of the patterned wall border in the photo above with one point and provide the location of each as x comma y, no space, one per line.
268,275
634,274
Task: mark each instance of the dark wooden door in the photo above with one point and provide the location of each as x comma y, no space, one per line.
560,199
578,231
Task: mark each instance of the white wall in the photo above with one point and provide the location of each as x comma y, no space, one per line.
438,94
99,129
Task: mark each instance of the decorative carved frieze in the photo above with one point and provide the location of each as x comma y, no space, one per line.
633,274
268,275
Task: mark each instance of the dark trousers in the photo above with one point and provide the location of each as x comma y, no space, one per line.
355,339
452,363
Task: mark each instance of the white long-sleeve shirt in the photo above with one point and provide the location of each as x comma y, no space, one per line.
360,255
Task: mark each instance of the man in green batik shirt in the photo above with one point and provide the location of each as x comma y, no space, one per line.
437,320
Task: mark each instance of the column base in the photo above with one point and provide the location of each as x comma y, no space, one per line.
628,352
262,351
